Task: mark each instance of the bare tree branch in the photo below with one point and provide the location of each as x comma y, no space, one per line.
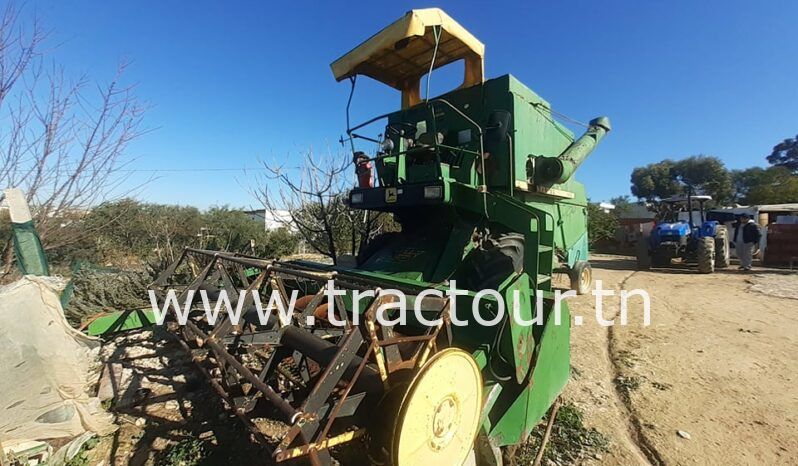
60,141
311,199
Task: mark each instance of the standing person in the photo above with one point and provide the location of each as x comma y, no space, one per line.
746,237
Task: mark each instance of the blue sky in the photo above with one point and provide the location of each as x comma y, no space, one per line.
237,81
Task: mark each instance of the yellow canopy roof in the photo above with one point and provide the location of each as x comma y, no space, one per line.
401,54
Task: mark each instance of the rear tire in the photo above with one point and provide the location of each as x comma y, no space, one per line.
706,254
722,248
581,276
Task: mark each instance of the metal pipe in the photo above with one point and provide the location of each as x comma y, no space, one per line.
555,170
268,392
239,259
324,352
547,433
343,279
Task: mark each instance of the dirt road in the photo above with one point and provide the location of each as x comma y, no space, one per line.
712,380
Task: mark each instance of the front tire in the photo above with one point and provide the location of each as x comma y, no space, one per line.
489,265
706,254
660,258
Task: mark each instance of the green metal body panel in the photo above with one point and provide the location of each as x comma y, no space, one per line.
28,249
528,188
120,321
529,402
534,133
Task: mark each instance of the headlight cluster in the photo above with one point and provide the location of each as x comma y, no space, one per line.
433,192
430,192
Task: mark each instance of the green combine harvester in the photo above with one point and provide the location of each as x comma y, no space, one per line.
480,180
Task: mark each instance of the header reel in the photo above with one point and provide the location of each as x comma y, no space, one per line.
325,382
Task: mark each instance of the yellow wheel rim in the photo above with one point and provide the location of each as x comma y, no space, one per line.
440,413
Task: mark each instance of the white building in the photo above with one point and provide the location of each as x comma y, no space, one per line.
272,220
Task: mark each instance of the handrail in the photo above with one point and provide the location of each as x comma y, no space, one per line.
483,187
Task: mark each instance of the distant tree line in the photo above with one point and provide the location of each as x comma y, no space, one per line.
601,225
128,232
708,175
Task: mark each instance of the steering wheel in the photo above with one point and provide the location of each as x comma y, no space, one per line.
401,128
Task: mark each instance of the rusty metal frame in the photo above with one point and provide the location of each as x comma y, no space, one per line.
322,400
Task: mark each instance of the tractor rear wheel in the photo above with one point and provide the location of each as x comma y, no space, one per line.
581,276
706,254
722,249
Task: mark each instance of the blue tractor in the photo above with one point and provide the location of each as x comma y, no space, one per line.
686,234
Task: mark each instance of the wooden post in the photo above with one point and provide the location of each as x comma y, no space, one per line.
552,416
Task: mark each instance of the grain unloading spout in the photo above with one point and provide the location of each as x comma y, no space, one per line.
555,170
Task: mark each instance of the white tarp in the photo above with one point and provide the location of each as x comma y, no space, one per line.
47,368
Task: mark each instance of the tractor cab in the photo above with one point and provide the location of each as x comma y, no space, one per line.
428,141
682,216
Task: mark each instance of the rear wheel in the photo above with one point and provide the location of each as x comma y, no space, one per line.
722,249
581,276
706,254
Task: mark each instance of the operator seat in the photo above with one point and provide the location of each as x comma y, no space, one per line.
422,151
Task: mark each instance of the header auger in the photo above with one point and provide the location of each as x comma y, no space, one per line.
481,181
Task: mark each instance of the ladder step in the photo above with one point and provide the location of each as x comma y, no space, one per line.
542,248
543,278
